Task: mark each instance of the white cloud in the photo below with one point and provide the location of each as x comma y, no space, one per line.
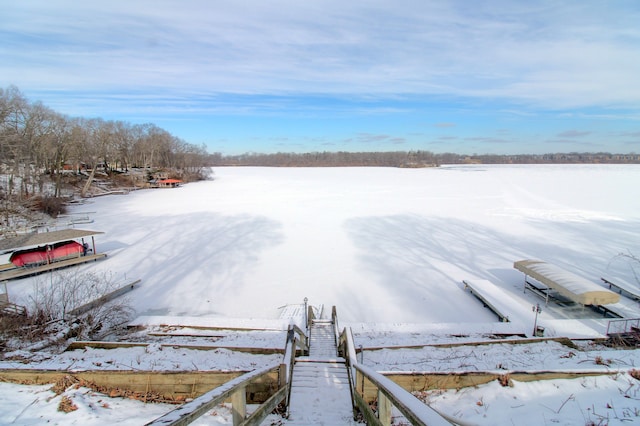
559,56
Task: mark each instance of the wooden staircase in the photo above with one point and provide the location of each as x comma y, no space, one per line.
320,391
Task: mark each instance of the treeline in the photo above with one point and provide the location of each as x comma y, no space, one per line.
329,159
36,142
409,159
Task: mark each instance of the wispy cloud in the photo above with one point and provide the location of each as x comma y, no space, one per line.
570,143
572,54
574,134
369,137
491,140
446,65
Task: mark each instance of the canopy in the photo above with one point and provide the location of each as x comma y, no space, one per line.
34,240
571,286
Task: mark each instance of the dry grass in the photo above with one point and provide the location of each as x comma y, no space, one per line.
601,361
505,380
66,405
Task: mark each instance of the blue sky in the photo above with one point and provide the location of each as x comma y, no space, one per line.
501,77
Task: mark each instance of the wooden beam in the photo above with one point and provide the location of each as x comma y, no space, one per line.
384,409
103,299
239,405
169,386
81,344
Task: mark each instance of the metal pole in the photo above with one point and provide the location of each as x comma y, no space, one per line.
306,314
537,310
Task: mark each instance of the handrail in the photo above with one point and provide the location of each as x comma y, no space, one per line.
235,389
350,350
336,330
416,411
289,355
310,316
389,393
303,340
288,361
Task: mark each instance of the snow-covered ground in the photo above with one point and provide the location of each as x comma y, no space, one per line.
390,248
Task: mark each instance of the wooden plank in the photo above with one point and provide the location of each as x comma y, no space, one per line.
562,340
104,299
413,382
320,394
114,345
170,385
81,344
8,308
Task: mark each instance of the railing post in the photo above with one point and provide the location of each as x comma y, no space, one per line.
282,375
239,406
306,314
384,409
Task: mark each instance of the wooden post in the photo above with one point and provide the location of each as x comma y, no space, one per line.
239,406
93,241
4,297
282,375
384,409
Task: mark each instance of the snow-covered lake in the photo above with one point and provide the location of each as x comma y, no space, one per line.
388,247
382,244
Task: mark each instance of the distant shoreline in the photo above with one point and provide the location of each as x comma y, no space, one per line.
410,159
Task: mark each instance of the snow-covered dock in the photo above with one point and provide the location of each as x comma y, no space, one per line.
573,287
623,287
494,298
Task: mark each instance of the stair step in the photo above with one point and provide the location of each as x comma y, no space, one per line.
320,393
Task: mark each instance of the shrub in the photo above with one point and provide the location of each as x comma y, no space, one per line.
53,206
53,314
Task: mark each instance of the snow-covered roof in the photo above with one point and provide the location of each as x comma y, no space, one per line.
29,240
572,286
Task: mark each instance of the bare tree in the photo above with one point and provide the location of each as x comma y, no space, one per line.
631,262
77,303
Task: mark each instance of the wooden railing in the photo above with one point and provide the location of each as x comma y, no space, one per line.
295,339
310,316
236,390
8,308
336,329
390,394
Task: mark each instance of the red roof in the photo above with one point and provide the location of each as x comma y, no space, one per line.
169,181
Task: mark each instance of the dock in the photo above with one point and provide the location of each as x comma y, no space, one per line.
12,274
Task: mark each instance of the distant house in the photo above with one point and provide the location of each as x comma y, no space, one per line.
165,183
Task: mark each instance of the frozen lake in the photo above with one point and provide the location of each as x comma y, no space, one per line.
383,244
